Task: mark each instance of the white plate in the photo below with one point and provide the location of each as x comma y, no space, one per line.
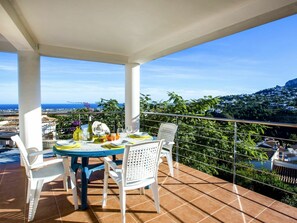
65,142
140,134
119,143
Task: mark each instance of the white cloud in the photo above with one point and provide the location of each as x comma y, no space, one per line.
8,92
81,92
158,94
9,67
214,59
216,72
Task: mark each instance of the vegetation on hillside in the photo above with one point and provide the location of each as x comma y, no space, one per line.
277,104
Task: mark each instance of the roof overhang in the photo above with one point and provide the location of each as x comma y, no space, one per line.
129,31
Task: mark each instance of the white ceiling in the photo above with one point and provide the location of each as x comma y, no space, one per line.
127,31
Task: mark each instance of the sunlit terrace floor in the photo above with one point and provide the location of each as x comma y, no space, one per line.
191,196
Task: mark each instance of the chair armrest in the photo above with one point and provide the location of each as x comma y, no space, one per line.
46,163
40,152
111,164
169,143
165,143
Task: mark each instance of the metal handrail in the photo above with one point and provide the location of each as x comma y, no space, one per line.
233,163
292,125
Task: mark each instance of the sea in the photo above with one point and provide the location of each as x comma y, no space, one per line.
49,107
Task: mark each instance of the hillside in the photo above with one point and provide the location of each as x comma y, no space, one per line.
277,104
291,83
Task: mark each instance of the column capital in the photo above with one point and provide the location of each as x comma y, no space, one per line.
28,54
132,65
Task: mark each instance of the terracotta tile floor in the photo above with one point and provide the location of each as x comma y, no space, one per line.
191,196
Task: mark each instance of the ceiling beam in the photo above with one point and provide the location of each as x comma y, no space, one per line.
79,54
6,46
13,29
247,16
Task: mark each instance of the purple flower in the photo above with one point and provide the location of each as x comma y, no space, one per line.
76,123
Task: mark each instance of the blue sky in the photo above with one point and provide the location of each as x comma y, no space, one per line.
245,62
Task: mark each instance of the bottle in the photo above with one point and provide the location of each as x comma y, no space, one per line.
90,131
77,134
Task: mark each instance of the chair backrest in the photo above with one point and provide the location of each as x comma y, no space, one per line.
23,152
141,161
167,132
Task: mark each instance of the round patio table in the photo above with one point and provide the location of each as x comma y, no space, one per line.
86,151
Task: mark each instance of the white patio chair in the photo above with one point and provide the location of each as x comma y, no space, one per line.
167,132
139,169
43,172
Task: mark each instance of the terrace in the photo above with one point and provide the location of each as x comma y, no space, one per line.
191,196
130,34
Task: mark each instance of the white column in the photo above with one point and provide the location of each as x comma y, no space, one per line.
30,100
132,96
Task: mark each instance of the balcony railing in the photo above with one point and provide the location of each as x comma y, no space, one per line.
239,151
261,156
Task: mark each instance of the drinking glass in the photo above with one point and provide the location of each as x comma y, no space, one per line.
121,132
97,130
129,130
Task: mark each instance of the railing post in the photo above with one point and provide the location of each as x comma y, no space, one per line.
176,144
142,122
123,120
234,153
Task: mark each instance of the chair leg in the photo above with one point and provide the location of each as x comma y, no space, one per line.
142,191
28,191
66,171
73,188
36,187
65,182
105,185
170,163
160,160
155,191
123,204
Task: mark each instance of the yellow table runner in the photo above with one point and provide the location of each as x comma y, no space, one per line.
70,146
140,137
110,146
